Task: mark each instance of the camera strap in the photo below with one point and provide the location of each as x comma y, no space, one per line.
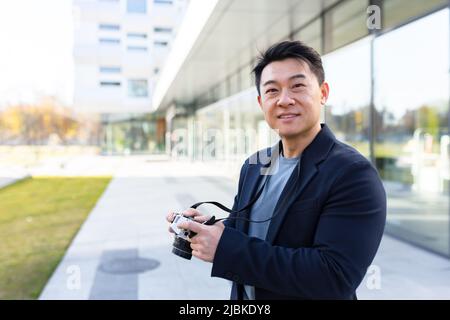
221,206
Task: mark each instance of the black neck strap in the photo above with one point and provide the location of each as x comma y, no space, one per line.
221,206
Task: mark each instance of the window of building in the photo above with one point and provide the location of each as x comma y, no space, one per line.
137,88
104,69
311,35
347,111
137,48
159,43
162,30
136,35
110,83
412,139
163,2
398,11
246,77
137,6
345,23
114,41
109,27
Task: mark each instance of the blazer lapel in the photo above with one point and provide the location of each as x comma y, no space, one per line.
253,180
305,171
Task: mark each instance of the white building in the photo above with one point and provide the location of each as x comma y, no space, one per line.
119,48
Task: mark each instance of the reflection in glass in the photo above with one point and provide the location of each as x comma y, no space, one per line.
131,134
137,88
345,23
412,135
347,110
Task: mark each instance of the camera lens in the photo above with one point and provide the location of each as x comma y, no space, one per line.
182,248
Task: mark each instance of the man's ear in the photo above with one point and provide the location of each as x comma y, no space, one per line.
325,91
260,102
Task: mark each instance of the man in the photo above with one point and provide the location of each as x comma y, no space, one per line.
327,202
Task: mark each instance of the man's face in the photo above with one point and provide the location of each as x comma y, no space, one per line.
291,97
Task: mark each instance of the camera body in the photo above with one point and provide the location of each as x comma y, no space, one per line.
182,233
181,244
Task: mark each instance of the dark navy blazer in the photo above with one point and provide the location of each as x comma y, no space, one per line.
326,229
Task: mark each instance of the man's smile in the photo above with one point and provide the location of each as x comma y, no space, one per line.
287,116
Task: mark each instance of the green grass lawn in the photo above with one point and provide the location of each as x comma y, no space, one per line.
38,219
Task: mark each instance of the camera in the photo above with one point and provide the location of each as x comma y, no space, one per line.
181,245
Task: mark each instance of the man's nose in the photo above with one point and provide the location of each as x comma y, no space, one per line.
285,100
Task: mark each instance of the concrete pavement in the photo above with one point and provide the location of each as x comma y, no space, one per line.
123,250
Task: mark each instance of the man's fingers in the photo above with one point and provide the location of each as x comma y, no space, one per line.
169,216
191,212
191,225
202,219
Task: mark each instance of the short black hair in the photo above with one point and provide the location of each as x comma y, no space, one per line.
289,49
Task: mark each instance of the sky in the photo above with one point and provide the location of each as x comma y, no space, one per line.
36,39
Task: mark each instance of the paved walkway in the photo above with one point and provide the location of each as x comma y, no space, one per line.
11,174
125,236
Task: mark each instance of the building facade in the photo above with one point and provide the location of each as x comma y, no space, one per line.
119,48
387,63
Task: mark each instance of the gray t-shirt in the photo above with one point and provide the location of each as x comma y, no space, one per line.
265,205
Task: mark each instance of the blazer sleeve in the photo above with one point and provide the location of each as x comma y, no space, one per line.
347,237
231,223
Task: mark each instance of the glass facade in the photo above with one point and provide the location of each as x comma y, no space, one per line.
137,6
411,124
345,23
137,88
347,111
389,98
133,134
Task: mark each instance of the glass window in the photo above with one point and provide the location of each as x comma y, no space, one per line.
111,27
163,1
110,69
161,43
234,83
109,41
137,48
136,35
137,6
347,111
345,23
412,135
110,83
137,88
311,35
398,11
162,30
246,77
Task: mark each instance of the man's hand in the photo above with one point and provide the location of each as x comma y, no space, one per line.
197,215
204,243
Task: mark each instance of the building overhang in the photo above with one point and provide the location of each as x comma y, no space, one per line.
217,37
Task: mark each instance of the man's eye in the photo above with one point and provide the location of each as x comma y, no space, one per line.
271,90
297,85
